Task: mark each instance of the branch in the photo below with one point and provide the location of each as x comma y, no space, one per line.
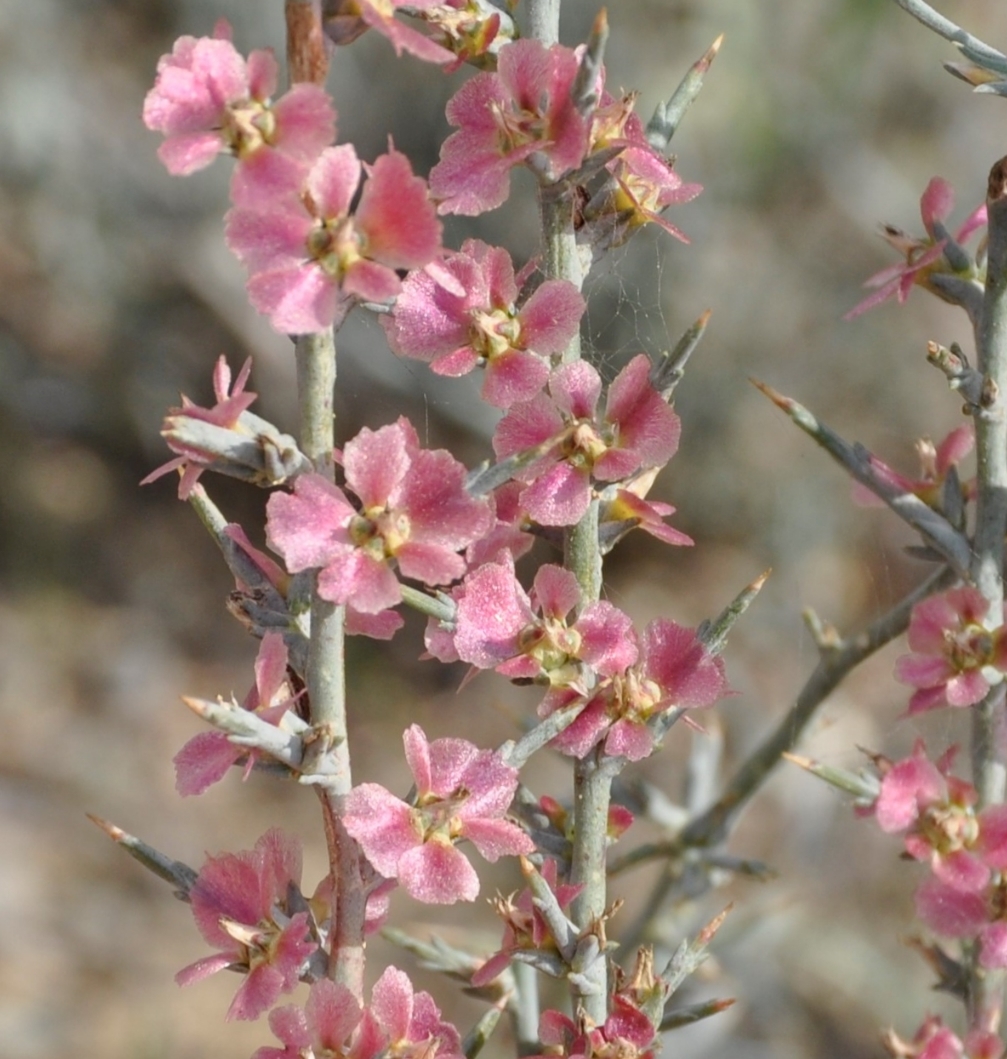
667,117
180,875
989,767
855,459
245,728
714,825
972,47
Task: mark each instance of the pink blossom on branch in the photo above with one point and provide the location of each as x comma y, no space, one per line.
380,15
640,183
938,812
409,1023
397,1023
925,256
936,463
966,849
231,403
240,904
477,321
956,658
414,515
346,20
934,1040
208,99
957,913
638,430
207,757
462,792
310,261
532,638
627,1033
674,672
326,1025
525,108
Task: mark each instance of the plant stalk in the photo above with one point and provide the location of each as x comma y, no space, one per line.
989,767
326,677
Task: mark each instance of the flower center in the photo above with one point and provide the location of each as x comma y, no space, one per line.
437,818
379,532
948,828
247,127
583,446
336,245
555,647
495,332
517,127
970,647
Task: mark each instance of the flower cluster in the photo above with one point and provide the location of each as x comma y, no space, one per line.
966,849
309,254
321,231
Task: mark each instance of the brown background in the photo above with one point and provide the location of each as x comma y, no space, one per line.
820,118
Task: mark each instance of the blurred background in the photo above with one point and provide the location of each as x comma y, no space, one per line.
819,119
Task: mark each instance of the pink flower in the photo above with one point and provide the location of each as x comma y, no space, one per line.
966,850
637,431
309,262
675,672
476,321
936,463
955,657
462,792
938,812
380,15
414,514
499,626
207,99
639,183
409,1023
398,1022
626,506
627,1033
934,1040
958,913
325,1026
525,108
239,902
924,256
206,758
225,413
